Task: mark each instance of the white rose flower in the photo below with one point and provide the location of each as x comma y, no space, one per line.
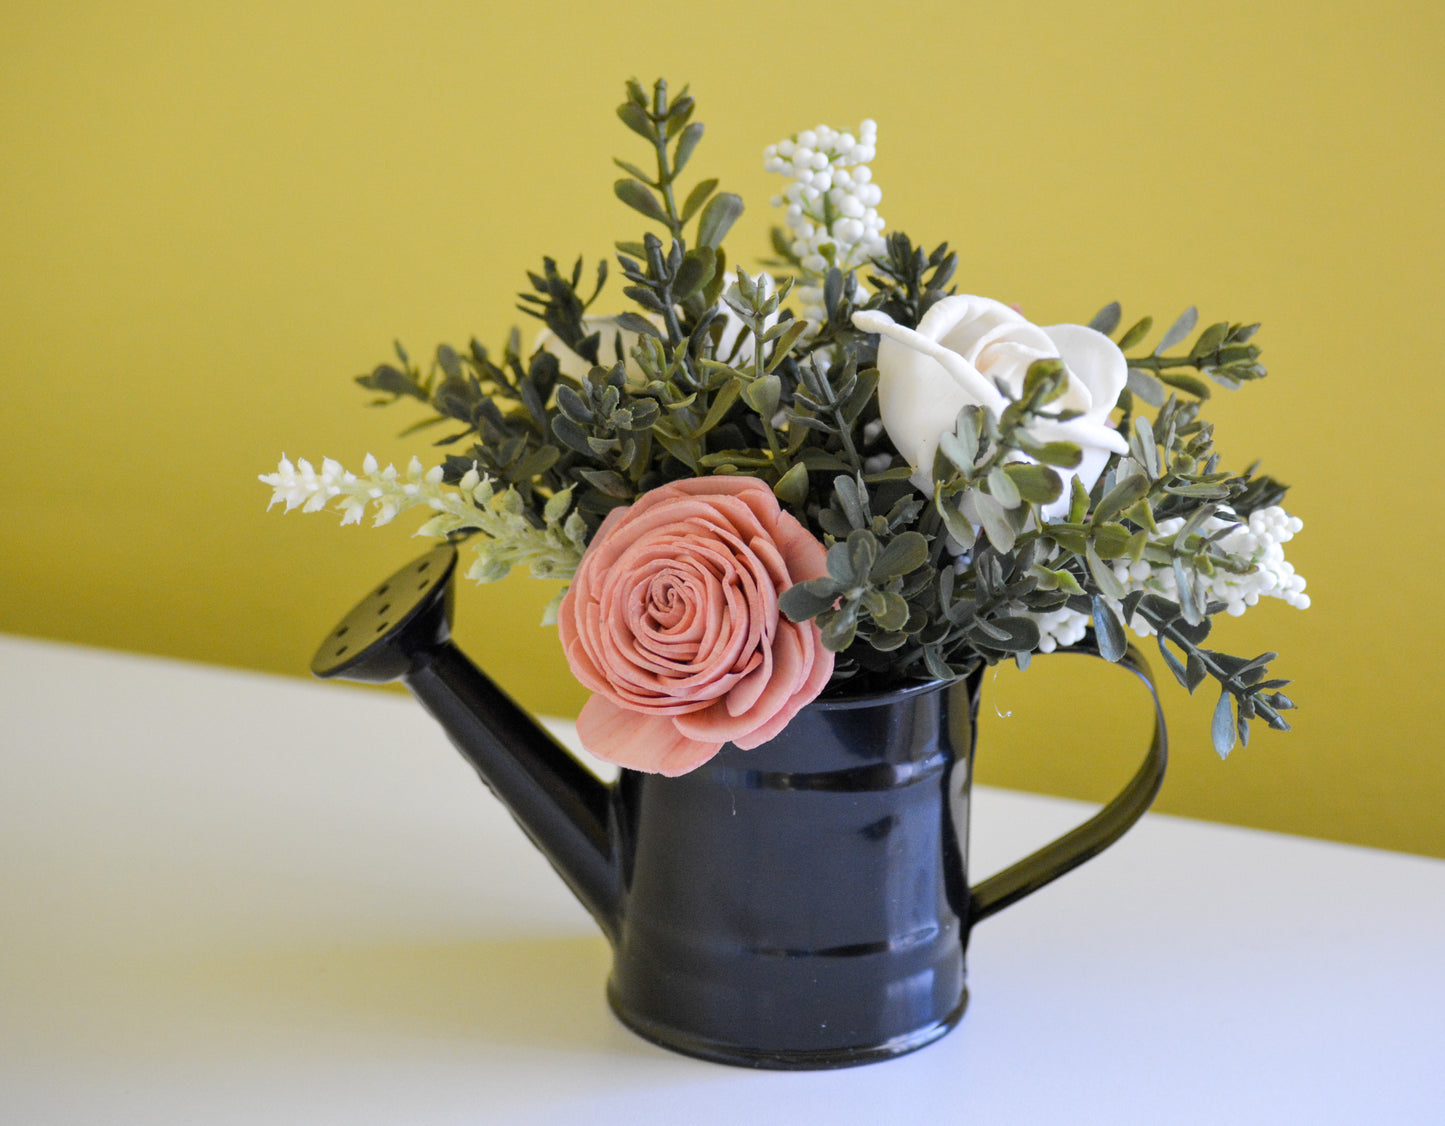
965,348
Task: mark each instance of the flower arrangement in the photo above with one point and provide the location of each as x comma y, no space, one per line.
841,475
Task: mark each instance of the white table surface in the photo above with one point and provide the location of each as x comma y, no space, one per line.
228,897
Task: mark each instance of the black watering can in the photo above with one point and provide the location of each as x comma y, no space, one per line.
803,904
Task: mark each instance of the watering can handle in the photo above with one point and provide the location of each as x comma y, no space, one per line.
1095,834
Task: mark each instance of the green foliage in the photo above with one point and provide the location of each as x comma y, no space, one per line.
723,379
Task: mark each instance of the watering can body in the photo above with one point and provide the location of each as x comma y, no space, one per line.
802,904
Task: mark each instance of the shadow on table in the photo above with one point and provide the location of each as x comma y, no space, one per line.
545,993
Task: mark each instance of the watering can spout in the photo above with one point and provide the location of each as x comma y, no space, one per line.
402,631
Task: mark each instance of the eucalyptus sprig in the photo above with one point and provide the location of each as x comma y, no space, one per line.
1222,351
666,279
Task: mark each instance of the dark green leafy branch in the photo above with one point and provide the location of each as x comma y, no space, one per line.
1222,351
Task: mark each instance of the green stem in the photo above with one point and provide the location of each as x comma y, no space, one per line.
759,371
1159,363
664,183
1227,681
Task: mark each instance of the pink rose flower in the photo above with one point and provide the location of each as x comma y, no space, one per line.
672,621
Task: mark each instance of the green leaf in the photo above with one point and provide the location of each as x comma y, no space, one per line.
694,273
571,404
570,434
959,451
893,614
1222,729
696,197
640,198
1110,540
387,379
1010,634
1104,577
953,520
935,664
1198,489
557,506
1106,320
717,218
1191,597
1002,488
1048,374
632,170
1194,672
1037,484
1136,333
853,500
1178,330
789,337
840,564
680,112
905,552
633,322
1189,384
763,394
1174,665
685,144
1147,386
1108,630
802,601
535,463
636,119
840,629
1078,501
606,482
792,487
722,402
1067,583
449,360
995,522
1209,341
1065,455
1144,447
1121,496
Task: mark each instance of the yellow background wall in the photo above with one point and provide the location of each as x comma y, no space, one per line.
213,216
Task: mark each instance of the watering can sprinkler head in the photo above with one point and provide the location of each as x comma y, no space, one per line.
393,627
401,631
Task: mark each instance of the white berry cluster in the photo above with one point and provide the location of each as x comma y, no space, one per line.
831,206
1258,542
